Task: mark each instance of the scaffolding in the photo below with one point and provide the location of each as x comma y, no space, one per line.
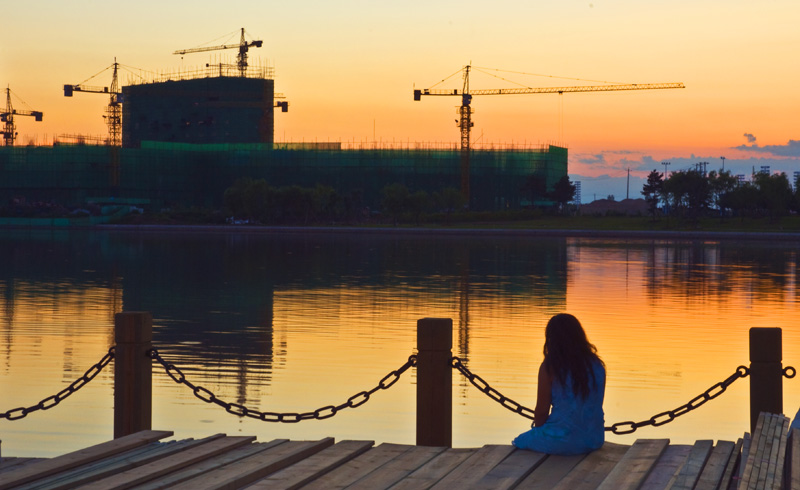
181,174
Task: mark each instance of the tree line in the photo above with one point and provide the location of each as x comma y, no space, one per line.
254,200
691,194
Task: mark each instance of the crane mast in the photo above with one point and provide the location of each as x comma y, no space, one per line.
465,110
113,115
7,118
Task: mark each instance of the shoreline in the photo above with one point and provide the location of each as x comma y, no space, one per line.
578,233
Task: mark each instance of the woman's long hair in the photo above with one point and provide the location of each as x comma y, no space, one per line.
567,352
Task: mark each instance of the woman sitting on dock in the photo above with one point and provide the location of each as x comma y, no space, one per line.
572,380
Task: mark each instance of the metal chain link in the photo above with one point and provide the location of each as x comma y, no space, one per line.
319,414
53,400
619,428
492,393
670,415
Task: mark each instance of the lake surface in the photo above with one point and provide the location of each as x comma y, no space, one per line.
291,322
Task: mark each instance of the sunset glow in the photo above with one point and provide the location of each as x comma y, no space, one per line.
349,68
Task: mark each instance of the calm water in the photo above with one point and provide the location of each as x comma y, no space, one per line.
294,322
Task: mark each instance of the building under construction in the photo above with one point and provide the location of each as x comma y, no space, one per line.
186,139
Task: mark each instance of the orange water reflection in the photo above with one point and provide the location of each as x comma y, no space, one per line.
670,320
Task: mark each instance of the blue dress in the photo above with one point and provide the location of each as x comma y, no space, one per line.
575,425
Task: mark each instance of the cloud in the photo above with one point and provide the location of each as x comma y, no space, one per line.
750,138
790,149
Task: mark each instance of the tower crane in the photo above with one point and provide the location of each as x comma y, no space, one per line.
7,118
465,111
113,110
241,58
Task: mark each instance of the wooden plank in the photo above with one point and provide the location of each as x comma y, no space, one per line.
210,464
635,465
758,479
667,468
8,464
747,441
249,470
691,469
793,460
511,471
734,462
550,472
756,439
74,459
594,468
313,467
778,454
115,464
475,467
395,470
162,467
712,472
434,470
358,467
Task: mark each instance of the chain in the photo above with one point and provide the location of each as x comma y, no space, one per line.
670,415
620,427
52,401
492,393
319,414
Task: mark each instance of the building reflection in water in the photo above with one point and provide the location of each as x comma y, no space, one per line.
292,322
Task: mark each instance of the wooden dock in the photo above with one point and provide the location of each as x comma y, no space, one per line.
142,461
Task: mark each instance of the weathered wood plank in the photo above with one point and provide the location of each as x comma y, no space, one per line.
734,462
550,472
691,469
434,470
778,454
475,467
747,440
756,440
253,468
512,470
311,468
764,460
115,464
210,464
667,468
793,460
162,467
764,457
635,465
594,468
392,472
7,464
712,472
48,467
358,467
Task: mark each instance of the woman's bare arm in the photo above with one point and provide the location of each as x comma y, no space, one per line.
543,397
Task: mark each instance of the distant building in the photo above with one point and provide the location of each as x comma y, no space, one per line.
199,111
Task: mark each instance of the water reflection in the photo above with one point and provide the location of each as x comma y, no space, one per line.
296,321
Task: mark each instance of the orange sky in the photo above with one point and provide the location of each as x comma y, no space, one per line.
348,69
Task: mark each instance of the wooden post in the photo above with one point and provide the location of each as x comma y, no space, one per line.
766,373
434,382
133,383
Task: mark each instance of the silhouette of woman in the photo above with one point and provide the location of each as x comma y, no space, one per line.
568,418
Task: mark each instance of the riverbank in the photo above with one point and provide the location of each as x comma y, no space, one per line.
626,227
459,231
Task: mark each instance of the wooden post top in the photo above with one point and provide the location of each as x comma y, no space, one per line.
133,327
435,334
765,345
